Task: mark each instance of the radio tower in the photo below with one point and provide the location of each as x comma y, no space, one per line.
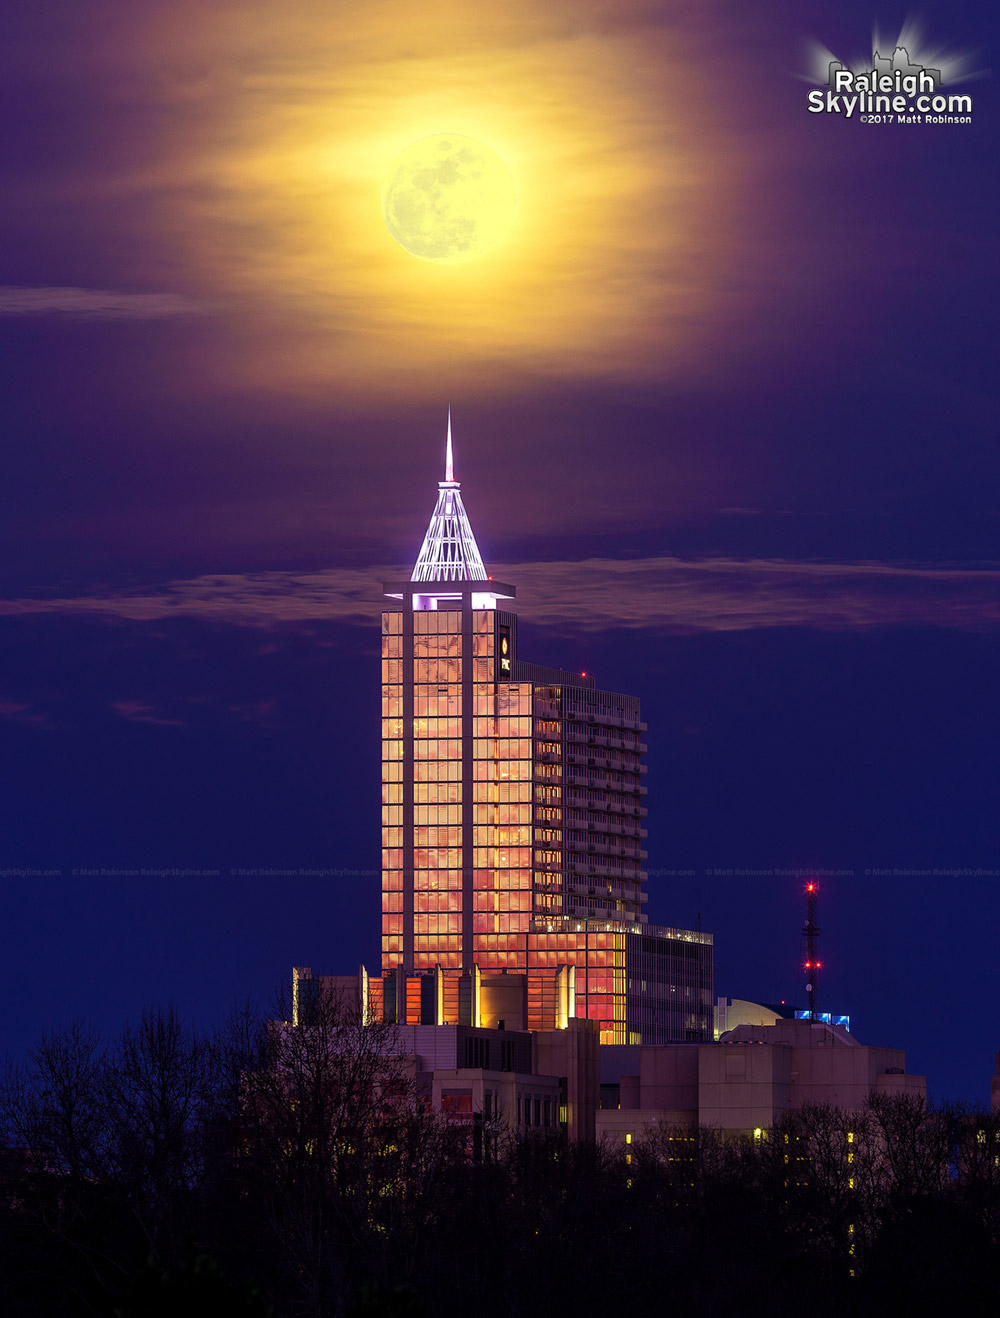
810,932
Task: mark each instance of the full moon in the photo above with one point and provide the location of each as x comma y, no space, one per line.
447,198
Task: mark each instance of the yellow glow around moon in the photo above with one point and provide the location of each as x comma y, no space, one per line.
447,198
633,247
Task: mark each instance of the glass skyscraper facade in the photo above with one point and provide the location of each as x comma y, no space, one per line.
512,809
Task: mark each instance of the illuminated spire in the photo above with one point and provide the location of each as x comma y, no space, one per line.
449,551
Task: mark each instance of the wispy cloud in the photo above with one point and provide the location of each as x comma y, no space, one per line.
720,594
94,303
20,713
662,594
136,711
276,162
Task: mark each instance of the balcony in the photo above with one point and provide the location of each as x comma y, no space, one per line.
577,720
603,819
595,776
626,871
606,754
600,843
587,737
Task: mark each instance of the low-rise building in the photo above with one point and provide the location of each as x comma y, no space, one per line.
747,1080
530,1080
563,1079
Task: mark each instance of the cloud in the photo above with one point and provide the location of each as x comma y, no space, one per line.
678,596
19,713
669,596
135,711
94,304
631,233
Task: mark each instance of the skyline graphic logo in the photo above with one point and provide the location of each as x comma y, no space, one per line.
904,87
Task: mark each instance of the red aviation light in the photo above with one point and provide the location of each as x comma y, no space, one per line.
808,965
583,674
810,887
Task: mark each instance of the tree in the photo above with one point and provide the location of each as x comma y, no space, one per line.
336,1151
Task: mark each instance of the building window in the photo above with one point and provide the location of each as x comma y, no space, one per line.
454,1101
477,1053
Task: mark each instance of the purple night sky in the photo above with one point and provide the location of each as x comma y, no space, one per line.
724,411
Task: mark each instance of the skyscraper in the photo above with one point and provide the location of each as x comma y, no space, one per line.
512,809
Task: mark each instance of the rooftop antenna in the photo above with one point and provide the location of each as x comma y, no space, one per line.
810,933
449,464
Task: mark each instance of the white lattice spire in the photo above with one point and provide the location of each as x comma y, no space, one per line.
449,551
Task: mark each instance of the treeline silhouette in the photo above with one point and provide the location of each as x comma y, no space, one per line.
261,1170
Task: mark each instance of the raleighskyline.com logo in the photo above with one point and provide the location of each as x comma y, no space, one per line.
895,89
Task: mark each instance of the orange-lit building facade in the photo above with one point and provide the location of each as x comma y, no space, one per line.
512,809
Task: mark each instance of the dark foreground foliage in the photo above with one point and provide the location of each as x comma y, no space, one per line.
267,1171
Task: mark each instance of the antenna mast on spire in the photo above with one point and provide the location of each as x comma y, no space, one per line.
449,465
810,933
